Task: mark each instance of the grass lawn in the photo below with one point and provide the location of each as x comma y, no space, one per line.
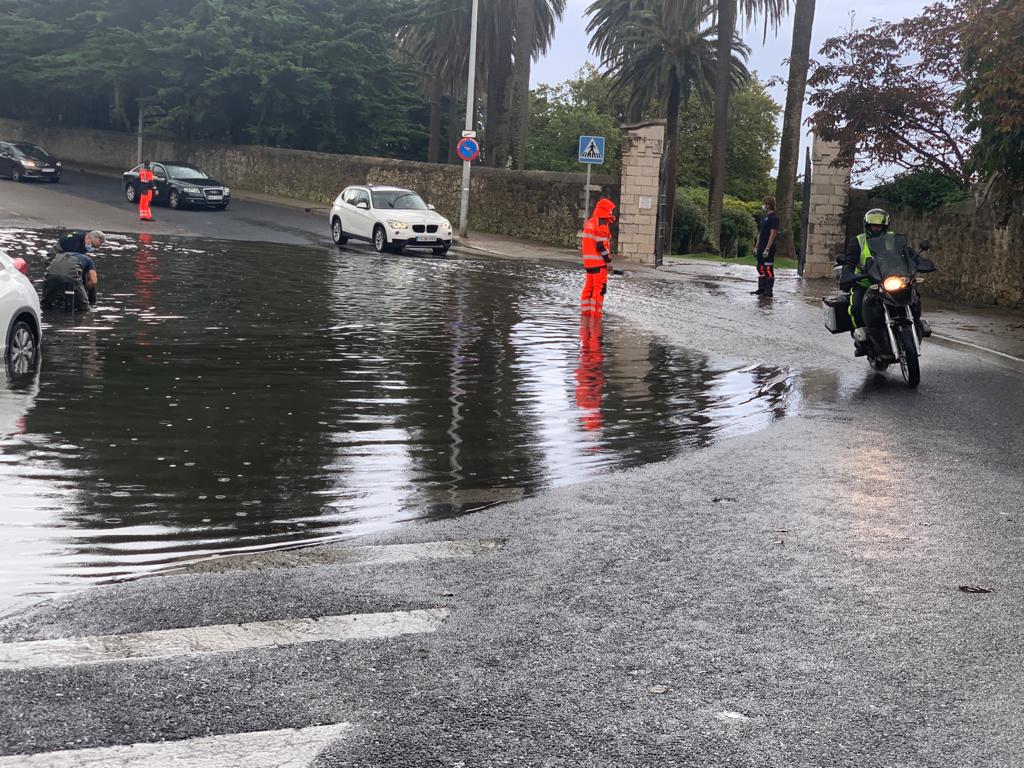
748,261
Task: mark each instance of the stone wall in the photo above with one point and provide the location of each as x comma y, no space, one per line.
977,249
536,205
642,147
826,217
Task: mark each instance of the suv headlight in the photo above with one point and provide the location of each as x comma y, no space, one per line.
398,225
227,191
446,225
192,190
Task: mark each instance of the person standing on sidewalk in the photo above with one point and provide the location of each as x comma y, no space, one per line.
766,241
597,257
145,187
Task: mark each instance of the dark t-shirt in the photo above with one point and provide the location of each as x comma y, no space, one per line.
770,222
72,242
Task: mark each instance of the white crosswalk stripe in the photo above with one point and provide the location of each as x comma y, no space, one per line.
387,554
218,638
291,748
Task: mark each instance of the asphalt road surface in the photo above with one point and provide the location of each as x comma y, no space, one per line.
842,588
88,200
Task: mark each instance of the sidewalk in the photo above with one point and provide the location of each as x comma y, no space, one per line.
990,330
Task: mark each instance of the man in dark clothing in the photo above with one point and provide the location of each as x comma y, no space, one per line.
72,270
765,251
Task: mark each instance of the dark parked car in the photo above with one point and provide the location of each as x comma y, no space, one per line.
20,160
179,185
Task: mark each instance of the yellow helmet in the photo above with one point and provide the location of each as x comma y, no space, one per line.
876,222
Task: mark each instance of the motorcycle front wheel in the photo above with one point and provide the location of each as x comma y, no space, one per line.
910,364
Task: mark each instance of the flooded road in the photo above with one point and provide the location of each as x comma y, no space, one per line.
228,397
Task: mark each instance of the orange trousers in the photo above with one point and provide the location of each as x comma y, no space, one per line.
144,213
594,289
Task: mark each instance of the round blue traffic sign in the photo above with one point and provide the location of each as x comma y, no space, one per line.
468,150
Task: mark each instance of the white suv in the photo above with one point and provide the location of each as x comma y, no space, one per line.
392,218
19,318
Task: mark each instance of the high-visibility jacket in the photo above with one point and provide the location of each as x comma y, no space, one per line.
596,244
146,180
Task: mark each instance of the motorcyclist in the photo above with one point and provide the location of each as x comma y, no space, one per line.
855,261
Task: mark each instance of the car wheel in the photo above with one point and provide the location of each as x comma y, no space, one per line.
15,173
441,250
174,200
337,233
22,349
380,239
129,193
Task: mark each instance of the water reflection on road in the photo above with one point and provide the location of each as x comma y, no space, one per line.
228,397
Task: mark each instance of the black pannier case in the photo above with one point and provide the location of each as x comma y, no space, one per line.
837,313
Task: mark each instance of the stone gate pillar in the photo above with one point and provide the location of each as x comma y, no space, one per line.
826,217
642,147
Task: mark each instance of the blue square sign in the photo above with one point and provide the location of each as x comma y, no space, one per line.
592,150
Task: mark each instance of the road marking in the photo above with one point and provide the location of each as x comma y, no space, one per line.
388,554
979,347
216,638
292,748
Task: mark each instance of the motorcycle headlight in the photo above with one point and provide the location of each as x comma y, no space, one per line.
894,284
398,225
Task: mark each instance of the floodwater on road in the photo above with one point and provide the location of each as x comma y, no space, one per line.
228,397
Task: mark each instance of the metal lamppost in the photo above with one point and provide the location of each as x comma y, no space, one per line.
470,99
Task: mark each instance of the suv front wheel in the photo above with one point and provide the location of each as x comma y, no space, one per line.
380,239
337,233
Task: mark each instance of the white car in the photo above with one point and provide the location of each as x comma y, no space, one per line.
392,218
19,318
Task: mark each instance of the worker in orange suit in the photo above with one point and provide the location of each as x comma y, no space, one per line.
597,257
590,374
144,189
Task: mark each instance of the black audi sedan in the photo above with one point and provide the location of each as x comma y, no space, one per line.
20,160
179,185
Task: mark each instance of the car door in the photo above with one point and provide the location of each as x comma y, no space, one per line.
362,215
6,153
163,184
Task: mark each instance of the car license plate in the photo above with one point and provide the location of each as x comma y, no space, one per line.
427,239
49,170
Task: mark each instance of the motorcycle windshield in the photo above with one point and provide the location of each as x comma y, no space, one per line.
890,257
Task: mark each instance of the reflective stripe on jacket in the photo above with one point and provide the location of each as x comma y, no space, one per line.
596,241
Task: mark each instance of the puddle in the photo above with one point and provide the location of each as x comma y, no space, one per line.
231,397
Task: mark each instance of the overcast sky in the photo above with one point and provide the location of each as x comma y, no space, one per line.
569,49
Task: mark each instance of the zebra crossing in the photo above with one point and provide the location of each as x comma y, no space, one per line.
286,748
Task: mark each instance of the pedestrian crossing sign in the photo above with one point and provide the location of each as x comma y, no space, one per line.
592,150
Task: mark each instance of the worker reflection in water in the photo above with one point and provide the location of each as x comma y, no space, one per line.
597,257
70,279
590,373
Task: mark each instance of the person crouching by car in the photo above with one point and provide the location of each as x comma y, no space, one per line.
72,270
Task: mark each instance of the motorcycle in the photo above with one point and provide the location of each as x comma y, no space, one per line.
891,333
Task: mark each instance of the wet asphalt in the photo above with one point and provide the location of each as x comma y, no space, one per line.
786,597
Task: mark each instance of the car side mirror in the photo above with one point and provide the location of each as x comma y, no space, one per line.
430,207
924,246
363,204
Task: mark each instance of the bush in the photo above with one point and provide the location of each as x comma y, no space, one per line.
739,230
920,191
689,224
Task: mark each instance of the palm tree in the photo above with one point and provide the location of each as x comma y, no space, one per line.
534,29
789,151
728,12
437,42
657,51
